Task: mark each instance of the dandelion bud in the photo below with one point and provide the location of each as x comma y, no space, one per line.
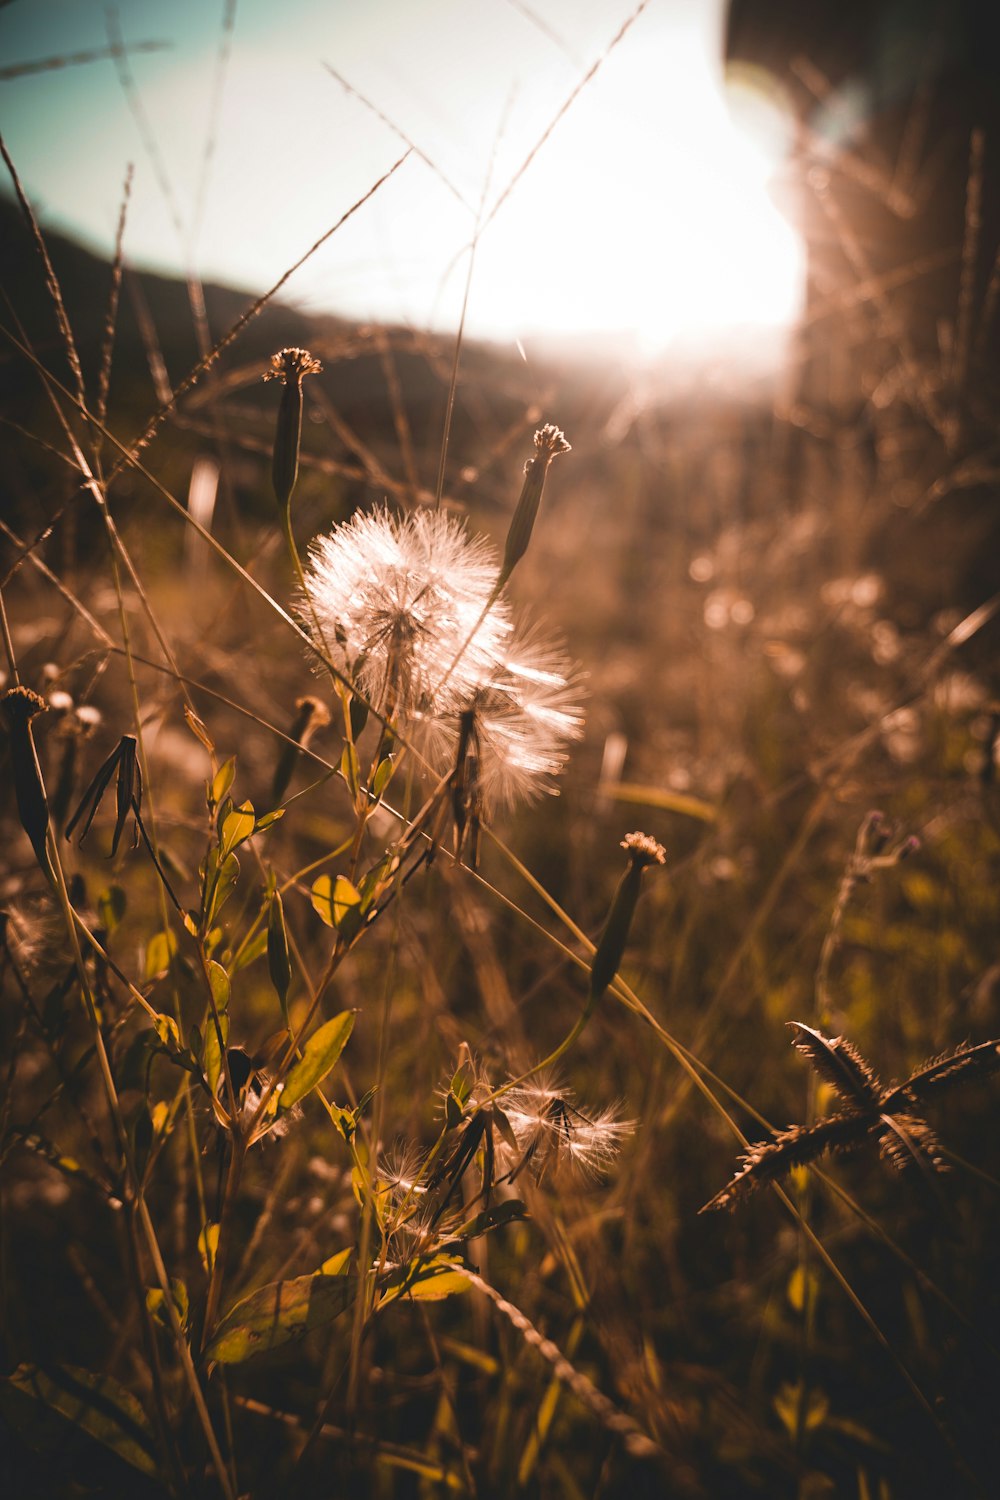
549,441
310,714
642,851
290,366
18,707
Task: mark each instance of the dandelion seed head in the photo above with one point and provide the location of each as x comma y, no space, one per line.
553,1134
29,931
401,604
399,1173
522,715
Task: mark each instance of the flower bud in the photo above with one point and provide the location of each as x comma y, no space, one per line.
642,851
290,366
549,442
310,715
18,707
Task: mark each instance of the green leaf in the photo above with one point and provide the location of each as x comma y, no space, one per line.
278,1313
250,952
382,777
167,1030
214,938
801,1284
213,1053
278,965
661,798
321,896
374,880
350,770
430,1282
319,1057
198,729
492,1218
219,981
157,1303
346,902
220,877
461,1084
208,1244
237,826
796,1412
222,781
266,819
344,1121
338,903
111,907
336,1265
161,949
95,1404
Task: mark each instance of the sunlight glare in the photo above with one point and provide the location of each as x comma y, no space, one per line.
658,219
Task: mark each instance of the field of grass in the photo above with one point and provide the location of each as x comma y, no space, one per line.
361,1097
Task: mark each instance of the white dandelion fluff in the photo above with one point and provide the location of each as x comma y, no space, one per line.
552,1133
407,609
402,605
512,725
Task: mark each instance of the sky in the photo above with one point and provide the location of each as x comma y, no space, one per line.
646,212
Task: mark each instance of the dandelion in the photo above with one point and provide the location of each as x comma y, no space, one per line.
552,1133
403,1192
522,717
399,1172
27,934
402,603
506,739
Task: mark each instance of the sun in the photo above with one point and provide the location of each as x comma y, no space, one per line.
657,214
